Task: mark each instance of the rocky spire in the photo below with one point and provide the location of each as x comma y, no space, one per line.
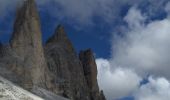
65,66
26,43
90,72
89,66
60,37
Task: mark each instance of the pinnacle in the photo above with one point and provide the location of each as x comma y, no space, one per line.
28,9
60,32
59,35
87,52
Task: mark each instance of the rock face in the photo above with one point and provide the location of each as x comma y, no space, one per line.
66,67
90,72
9,91
26,44
49,70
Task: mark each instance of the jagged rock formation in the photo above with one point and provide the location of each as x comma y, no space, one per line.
90,72
26,44
49,70
66,67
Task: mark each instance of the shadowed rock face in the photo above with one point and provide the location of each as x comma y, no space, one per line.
26,44
90,68
90,72
66,67
102,96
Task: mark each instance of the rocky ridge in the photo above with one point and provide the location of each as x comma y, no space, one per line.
48,71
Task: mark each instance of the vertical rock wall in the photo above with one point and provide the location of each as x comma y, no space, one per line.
56,67
90,72
26,44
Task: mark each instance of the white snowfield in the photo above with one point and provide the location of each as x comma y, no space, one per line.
9,91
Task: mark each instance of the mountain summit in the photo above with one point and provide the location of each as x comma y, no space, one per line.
48,71
26,43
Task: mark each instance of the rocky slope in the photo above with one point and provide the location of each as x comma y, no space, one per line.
9,91
48,71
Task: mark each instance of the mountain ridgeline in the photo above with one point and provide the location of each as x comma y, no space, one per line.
54,67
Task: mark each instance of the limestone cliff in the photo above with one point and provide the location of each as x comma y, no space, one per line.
66,67
26,44
90,72
49,70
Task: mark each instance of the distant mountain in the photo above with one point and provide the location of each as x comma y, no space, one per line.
55,69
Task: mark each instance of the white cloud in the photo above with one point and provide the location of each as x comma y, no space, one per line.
156,89
143,51
82,12
134,18
118,82
145,48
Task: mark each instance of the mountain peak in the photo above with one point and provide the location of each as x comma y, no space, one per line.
26,43
28,9
60,38
54,69
59,35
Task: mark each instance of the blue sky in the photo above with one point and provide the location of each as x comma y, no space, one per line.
130,39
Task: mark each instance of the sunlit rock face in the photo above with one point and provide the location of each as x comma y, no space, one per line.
26,44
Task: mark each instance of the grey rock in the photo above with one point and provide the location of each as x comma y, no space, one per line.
90,72
54,69
66,67
26,44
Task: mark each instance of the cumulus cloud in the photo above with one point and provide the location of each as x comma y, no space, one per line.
145,47
134,18
118,82
142,51
156,89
